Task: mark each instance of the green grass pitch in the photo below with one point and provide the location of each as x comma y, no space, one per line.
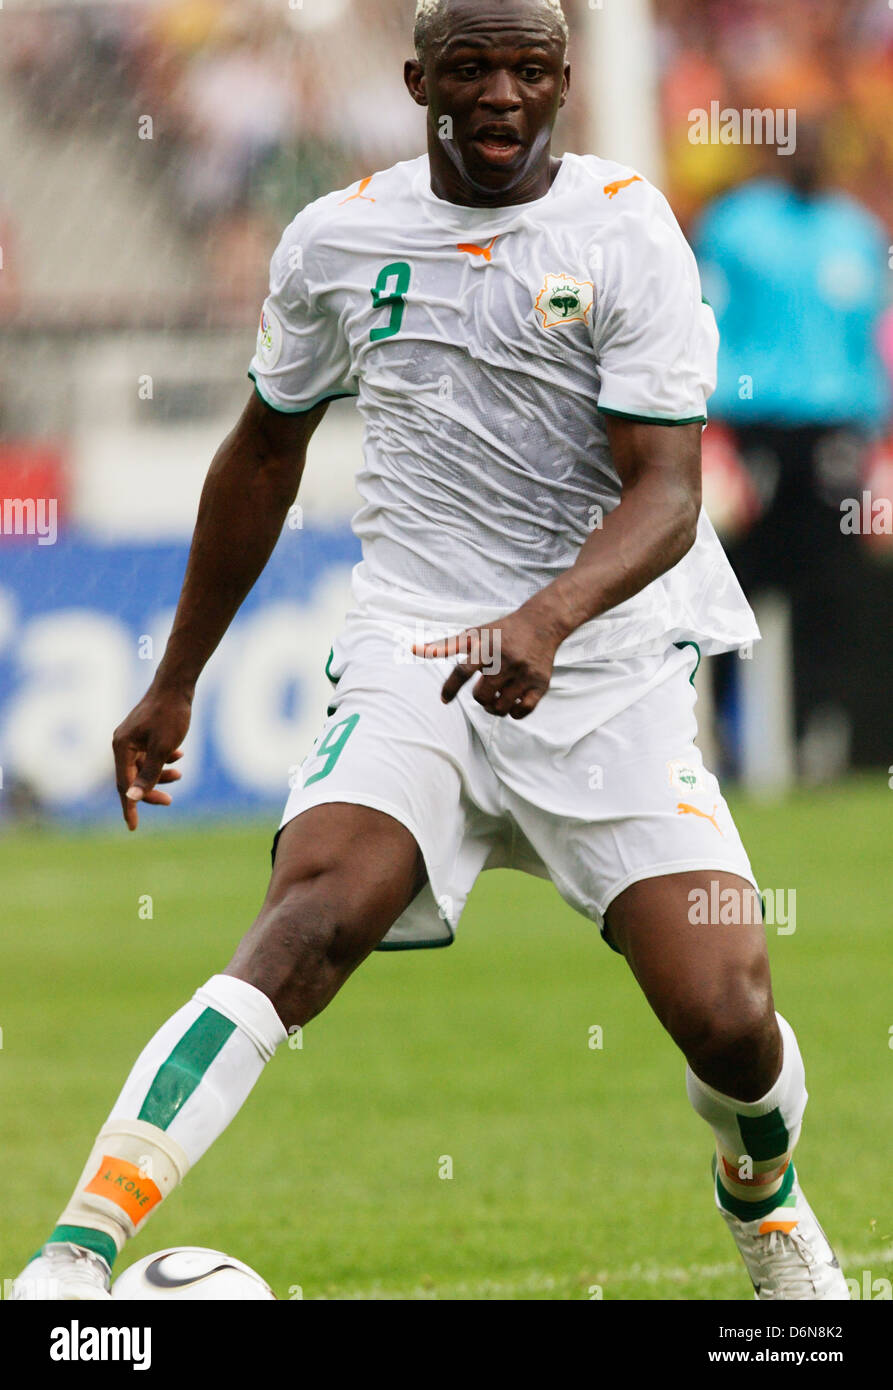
572,1167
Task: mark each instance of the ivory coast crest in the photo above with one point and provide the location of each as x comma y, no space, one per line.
564,300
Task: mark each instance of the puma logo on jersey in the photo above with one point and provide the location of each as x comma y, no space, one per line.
612,189
684,809
485,251
360,193
564,300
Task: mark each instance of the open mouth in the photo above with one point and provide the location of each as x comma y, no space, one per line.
498,146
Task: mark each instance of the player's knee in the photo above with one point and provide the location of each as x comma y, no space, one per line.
311,934
729,1026
326,920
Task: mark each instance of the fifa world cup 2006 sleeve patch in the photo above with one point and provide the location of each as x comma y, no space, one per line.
269,339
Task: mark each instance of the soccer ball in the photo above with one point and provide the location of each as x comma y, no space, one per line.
189,1272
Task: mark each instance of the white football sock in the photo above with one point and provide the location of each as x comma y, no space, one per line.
185,1088
755,1139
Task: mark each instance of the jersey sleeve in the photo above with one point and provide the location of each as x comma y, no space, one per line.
302,357
655,337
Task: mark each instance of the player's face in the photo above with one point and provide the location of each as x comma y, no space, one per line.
494,84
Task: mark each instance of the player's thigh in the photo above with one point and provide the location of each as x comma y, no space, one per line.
342,876
375,809
649,848
343,867
364,862
390,745
696,943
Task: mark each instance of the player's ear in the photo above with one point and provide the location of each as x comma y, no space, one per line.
414,77
565,85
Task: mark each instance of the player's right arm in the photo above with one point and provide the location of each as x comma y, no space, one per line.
252,483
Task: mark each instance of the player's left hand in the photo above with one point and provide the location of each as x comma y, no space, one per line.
515,658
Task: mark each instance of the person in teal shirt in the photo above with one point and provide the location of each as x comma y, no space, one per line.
798,277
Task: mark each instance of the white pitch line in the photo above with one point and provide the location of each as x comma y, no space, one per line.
643,1274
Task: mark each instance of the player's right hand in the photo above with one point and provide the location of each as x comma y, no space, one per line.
144,744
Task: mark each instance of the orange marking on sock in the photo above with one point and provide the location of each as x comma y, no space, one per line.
684,809
612,189
360,193
122,1184
786,1226
473,250
759,1180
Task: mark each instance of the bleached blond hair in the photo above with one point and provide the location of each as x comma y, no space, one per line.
430,13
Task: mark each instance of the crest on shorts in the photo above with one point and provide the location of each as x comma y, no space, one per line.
564,300
684,777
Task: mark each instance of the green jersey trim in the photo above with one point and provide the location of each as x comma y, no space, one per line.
651,419
303,409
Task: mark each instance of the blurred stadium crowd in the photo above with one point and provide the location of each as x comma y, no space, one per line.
250,125
831,60
256,109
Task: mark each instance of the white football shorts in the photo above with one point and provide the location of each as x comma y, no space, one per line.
600,787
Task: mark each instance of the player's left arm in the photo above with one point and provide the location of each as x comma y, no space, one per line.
654,526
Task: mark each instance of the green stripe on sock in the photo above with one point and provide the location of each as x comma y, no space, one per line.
97,1241
765,1136
178,1076
755,1211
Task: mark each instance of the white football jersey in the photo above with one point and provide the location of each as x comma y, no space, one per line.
485,346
